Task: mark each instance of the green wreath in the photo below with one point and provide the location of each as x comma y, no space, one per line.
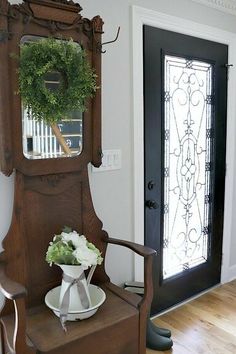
78,80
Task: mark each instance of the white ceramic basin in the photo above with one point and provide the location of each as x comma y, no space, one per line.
97,296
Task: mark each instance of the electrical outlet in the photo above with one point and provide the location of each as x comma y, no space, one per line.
111,160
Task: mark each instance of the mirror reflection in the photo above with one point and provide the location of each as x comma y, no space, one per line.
55,140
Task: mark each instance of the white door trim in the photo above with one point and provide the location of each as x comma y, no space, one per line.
141,16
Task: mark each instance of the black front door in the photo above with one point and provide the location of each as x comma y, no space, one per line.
185,97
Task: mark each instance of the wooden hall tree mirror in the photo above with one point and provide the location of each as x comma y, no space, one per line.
41,138
51,191
30,21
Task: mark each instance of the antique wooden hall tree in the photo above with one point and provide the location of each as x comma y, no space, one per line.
52,190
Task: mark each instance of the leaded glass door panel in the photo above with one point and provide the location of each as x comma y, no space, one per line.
185,92
188,145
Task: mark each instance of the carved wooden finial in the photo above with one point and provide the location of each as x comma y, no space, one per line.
70,4
65,11
97,23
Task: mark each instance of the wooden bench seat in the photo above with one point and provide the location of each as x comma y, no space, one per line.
45,332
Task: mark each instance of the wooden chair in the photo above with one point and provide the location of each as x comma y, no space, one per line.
51,193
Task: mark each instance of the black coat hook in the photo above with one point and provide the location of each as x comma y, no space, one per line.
109,42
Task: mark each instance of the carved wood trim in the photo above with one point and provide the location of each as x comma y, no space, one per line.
97,101
51,184
55,19
16,21
5,127
69,5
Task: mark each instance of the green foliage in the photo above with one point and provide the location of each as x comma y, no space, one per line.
66,57
61,253
71,248
67,229
96,250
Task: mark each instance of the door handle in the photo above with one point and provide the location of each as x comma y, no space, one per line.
151,185
151,204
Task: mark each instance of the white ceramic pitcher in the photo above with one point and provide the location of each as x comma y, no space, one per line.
75,272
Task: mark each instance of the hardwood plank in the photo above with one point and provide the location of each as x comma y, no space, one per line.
206,325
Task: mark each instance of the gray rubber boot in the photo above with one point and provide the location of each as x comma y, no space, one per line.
155,341
161,331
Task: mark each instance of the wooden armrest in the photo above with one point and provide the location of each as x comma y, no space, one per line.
147,253
139,249
10,289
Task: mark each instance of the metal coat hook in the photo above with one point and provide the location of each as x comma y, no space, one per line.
109,42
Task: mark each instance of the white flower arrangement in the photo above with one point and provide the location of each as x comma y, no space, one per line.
73,249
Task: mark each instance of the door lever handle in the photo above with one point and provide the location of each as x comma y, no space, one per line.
151,204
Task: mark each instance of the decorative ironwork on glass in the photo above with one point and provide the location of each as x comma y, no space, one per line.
189,114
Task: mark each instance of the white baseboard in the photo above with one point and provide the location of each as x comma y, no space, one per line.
229,275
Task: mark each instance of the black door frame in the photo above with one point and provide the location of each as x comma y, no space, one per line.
140,17
154,217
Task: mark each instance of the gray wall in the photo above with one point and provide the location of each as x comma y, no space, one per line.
113,191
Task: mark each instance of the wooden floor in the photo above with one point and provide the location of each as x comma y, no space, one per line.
206,325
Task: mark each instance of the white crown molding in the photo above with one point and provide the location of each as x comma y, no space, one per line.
228,6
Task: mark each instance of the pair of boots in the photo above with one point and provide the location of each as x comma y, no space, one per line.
158,338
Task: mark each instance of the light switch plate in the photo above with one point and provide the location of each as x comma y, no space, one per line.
111,160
